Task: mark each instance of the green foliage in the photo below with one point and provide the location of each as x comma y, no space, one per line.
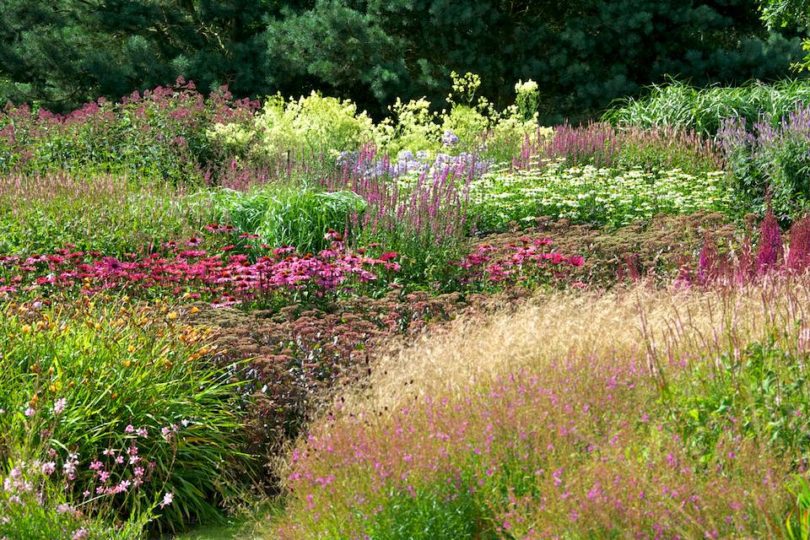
440,511
46,512
105,213
160,135
120,365
606,197
582,53
681,106
770,166
410,126
797,524
761,391
66,52
660,149
289,215
310,126
592,50
787,13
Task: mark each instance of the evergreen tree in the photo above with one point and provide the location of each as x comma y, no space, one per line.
63,52
583,53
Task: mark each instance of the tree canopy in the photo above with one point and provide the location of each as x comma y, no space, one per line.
583,53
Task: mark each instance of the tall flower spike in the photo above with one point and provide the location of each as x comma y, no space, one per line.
708,262
770,244
798,258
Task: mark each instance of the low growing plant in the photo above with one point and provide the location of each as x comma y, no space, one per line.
121,404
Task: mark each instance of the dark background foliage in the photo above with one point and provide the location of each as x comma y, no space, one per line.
583,53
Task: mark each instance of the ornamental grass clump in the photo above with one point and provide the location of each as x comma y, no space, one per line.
105,213
704,110
563,419
118,404
288,215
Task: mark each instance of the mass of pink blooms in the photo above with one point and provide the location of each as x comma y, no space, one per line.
508,263
224,276
227,277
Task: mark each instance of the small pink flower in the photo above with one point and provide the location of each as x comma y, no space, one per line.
63,508
167,499
29,412
59,406
79,534
129,429
48,468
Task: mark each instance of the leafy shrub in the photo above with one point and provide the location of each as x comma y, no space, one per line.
412,126
678,105
289,216
310,125
160,135
114,387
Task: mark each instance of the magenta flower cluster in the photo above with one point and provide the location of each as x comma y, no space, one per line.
224,276
514,262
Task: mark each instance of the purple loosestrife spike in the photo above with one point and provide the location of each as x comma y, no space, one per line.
770,244
708,262
798,258
745,263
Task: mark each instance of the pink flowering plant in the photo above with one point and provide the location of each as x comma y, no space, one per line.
223,277
114,406
593,447
159,135
529,262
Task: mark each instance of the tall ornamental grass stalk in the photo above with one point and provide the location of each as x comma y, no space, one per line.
682,106
562,418
106,213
